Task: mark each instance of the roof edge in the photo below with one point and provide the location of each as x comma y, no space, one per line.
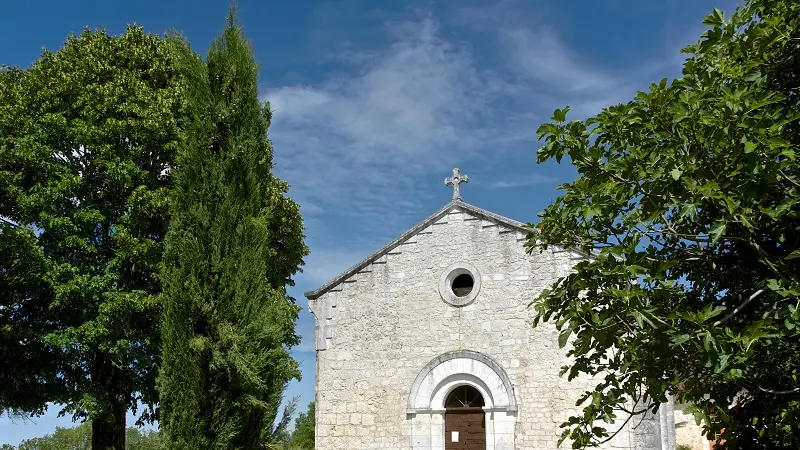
312,295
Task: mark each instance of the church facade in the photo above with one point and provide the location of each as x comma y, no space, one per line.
428,344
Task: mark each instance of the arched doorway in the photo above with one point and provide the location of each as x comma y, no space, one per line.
428,400
464,420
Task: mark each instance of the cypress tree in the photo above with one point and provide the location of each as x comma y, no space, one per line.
234,242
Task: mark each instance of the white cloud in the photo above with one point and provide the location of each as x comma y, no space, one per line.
361,147
298,103
324,265
558,76
527,180
359,142
541,55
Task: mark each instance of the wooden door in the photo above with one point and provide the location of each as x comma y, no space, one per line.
464,429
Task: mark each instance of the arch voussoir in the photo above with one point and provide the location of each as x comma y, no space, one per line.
446,371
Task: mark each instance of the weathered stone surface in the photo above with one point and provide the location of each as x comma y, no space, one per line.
380,327
687,431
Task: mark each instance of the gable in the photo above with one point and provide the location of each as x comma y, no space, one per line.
478,213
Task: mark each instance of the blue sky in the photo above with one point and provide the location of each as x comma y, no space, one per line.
376,102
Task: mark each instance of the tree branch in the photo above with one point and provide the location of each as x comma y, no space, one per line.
666,224
624,323
630,416
788,178
740,307
770,391
13,224
616,432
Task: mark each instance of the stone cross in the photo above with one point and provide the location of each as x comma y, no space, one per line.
456,180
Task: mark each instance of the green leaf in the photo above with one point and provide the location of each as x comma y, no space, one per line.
680,339
641,319
546,129
749,146
690,211
717,231
774,285
716,18
753,76
676,173
708,341
560,115
722,364
563,337
749,224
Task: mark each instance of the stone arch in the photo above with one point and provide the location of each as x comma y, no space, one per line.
449,383
447,371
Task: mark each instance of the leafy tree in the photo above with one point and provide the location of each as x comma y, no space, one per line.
80,438
233,244
687,201
137,439
303,434
77,438
87,135
28,365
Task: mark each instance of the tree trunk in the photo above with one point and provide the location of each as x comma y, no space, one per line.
108,427
108,431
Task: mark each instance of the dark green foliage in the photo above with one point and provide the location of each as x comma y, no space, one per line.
687,200
233,244
28,366
85,137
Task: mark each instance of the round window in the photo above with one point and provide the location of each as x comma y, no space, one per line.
459,284
462,284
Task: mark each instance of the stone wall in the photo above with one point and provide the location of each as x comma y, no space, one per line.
378,329
688,432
